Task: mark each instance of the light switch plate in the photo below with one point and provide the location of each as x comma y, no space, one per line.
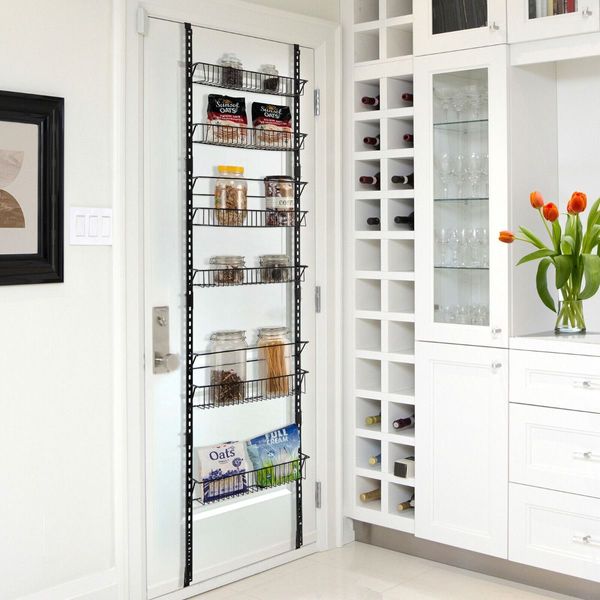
91,226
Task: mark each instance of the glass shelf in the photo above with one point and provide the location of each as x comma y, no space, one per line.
457,125
232,486
245,81
460,199
461,268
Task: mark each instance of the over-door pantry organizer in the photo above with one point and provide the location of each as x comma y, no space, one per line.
227,393
381,304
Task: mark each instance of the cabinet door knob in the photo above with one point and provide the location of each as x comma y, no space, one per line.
496,331
494,26
587,12
496,366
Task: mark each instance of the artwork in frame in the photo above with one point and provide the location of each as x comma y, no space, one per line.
31,188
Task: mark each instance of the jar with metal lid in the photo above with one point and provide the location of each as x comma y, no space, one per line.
275,268
270,79
275,360
228,368
233,76
279,200
231,196
227,270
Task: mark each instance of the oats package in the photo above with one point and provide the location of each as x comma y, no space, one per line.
273,124
222,470
230,115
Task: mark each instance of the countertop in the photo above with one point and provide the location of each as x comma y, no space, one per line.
586,344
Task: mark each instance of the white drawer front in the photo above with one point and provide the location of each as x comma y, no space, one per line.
558,380
555,531
556,449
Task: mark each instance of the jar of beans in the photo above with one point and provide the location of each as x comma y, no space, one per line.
231,196
275,268
227,270
228,370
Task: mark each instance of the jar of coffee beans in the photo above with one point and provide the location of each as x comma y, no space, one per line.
275,268
227,270
228,370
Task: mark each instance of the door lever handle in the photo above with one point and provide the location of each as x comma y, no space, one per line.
164,360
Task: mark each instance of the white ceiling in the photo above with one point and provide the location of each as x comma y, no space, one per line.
324,9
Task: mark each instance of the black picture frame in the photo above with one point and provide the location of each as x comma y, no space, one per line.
47,264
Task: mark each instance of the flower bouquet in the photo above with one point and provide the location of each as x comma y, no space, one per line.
574,253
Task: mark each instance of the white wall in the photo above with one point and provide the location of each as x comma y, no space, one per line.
324,9
56,496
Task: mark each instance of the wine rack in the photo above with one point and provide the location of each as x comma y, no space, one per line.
380,317
205,388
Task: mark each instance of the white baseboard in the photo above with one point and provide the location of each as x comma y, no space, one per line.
97,586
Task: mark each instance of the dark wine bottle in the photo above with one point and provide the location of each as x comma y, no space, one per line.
375,460
404,423
410,221
372,141
370,180
373,221
404,179
408,97
409,138
370,101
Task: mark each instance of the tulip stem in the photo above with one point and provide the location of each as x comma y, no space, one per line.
546,226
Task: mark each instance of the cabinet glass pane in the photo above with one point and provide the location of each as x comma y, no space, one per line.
461,190
456,16
551,8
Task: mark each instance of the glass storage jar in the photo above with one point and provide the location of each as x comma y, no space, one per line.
270,79
275,268
231,196
275,360
233,76
279,200
228,270
228,369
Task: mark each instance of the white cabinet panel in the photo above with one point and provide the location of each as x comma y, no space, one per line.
534,22
555,531
462,436
556,449
440,26
558,380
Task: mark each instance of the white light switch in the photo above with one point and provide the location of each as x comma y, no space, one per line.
91,226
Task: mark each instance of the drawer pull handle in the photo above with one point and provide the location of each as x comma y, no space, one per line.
586,384
495,27
496,366
586,455
587,12
585,539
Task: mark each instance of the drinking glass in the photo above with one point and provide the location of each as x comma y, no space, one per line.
474,251
460,173
446,170
444,94
459,103
453,248
473,95
474,171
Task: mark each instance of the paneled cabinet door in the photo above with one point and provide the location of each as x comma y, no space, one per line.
461,161
462,438
442,26
538,19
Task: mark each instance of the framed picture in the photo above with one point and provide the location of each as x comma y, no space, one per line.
31,188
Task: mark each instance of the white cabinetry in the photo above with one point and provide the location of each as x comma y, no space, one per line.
461,122
532,21
461,433
440,26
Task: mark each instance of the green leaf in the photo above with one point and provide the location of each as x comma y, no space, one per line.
591,270
532,238
567,245
564,266
593,215
578,235
556,234
541,283
535,255
591,239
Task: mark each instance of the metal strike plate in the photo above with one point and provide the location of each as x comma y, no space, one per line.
164,361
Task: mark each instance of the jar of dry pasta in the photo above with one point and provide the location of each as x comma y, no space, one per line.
228,270
275,360
231,196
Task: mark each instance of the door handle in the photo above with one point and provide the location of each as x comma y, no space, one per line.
164,361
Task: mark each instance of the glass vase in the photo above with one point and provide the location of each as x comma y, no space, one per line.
570,317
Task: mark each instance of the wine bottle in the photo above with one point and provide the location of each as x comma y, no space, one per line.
404,179
407,97
373,102
372,141
404,423
409,138
410,221
373,221
373,420
370,496
407,504
370,180
375,460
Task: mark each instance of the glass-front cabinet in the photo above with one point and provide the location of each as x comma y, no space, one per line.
461,197
542,19
442,26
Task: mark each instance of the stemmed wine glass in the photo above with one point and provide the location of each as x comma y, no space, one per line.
474,170
444,94
459,102
474,97
446,170
460,172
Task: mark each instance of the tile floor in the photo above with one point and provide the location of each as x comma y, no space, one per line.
362,572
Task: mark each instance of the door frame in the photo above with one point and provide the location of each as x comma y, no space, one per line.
235,16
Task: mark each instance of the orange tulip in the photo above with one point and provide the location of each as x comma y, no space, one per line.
507,237
536,199
550,211
577,203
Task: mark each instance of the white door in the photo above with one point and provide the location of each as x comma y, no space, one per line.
461,123
231,534
535,20
442,26
462,440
